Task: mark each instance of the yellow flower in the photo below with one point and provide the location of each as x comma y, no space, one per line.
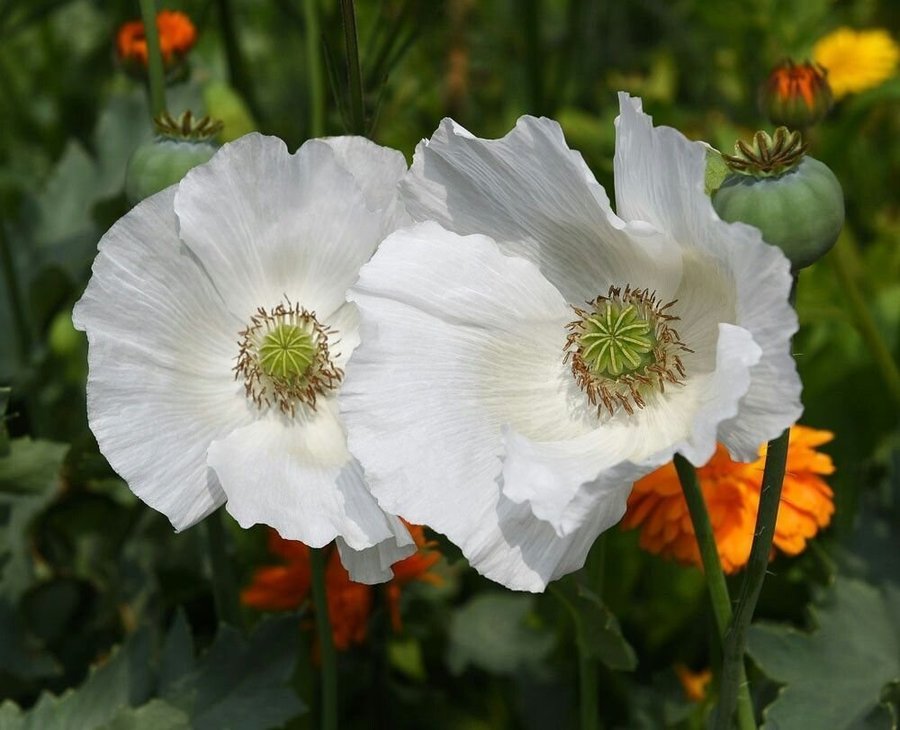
731,491
856,60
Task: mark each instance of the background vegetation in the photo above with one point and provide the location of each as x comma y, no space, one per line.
86,568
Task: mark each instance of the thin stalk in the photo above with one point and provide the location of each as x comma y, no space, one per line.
715,578
534,58
314,69
237,73
757,565
16,301
842,260
224,584
155,72
587,669
328,709
354,75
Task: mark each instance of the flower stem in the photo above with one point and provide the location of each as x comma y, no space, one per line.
757,565
237,74
354,75
587,668
155,72
842,260
16,301
326,643
715,578
314,69
224,584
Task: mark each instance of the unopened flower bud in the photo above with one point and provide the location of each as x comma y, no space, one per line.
180,145
796,95
795,200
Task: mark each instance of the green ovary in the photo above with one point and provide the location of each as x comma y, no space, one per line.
617,340
286,353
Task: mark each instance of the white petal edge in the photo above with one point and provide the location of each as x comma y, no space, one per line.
373,565
268,225
161,348
536,198
659,179
297,476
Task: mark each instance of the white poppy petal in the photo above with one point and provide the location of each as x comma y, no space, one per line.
268,225
297,476
373,565
659,179
537,199
378,171
565,481
162,347
484,354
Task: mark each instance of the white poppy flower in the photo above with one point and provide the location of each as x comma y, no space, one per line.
219,328
529,352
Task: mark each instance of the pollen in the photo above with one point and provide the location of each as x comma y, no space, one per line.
284,359
623,347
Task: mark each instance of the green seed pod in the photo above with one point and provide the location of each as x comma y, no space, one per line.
180,145
796,201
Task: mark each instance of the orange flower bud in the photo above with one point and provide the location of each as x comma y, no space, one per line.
177,35
796,95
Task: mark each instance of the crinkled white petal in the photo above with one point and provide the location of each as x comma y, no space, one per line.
659,179
373,565
470,341
537,199
564,482
377,170
162,346
268,225
297,476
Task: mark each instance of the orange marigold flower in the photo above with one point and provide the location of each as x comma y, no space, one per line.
287,586
857,60
731,492
694,683
177,36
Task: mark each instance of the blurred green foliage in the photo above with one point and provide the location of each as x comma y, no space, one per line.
85,567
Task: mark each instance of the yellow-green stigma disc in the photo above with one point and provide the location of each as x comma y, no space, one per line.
616,340
286,353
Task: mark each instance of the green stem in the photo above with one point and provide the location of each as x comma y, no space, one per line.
16,301
534,59
842,261
314,69
155,72
224,584
326,642
354,75
587,668
715,578
237,74
757,565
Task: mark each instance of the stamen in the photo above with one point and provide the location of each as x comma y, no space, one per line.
624,347
284,358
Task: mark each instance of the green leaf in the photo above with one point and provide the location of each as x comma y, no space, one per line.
241,682
29,478
155,715
20,653
835,675
124,680
497,632
596,628
716,171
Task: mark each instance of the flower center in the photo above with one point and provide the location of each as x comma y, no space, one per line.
624,347
284,358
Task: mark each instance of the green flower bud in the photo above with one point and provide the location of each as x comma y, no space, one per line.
796,201
179,146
